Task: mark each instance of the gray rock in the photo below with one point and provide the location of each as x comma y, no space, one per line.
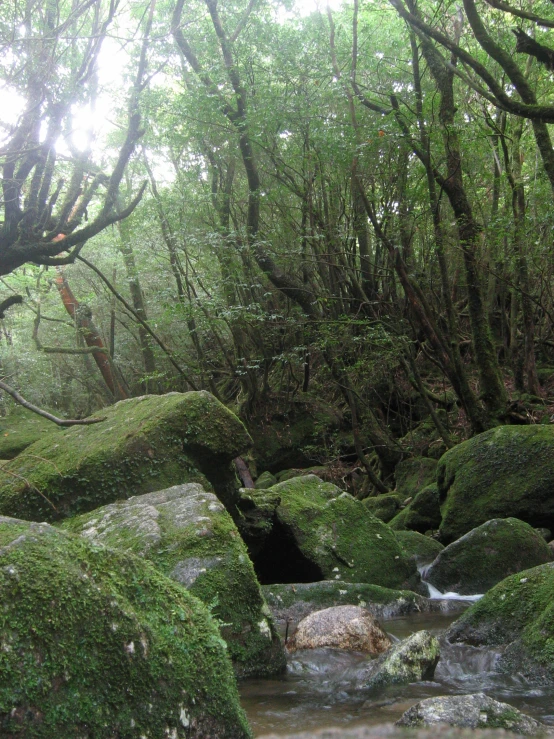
486,555
188,535
412,660
476,711
342,627
390,731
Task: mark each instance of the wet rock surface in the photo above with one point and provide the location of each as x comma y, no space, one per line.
188,535
389,731
342,627
475,711
486,555
410,661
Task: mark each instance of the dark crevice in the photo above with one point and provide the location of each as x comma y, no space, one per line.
280,561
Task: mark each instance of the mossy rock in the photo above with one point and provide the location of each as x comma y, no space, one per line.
292,433
265,480
21,429
424,440
385,507
423,549
507,471
292,602
414,474
337,537
422,514
99,643
144,444
412,660
189,536
518,616
486,555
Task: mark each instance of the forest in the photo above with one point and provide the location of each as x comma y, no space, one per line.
244,242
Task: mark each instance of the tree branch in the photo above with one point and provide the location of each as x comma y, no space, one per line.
30,407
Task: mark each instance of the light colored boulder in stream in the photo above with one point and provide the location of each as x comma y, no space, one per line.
342,627
98,643
486,555
412,660
143,444
475,711
189,536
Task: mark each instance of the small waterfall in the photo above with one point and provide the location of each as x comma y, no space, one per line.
435,594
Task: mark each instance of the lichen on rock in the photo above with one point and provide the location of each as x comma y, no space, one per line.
189,536
96,642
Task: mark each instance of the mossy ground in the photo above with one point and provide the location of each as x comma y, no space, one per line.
506,471
97,643
145,444
340,535
197,530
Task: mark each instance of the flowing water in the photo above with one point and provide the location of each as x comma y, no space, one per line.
318,691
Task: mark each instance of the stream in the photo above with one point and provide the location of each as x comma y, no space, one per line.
318,691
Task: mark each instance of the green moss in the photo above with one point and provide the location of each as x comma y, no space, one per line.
422,548
385,507
21,429
486,555
100,643
422,514
188,535
145,444
340,535
506,471
519,611
265,480
414,474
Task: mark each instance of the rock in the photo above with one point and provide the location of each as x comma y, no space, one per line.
320,533
486,555
545,533
414,474
99,643
145,444
389,731
412,660
423,549
384,506
422,514
189,536
21,429
342,627
476,711
517,615
506,471
293,602
265,480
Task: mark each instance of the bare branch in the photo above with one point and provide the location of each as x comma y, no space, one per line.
35,409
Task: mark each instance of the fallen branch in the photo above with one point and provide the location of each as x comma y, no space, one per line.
35,409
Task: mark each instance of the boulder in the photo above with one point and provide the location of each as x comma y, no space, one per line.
293,602
189,536
506,471
389,731
98,643
412,660
414,474
265,480
474,711
21,429
423,549
317,532
144,444
422,514
486,555
517,615
341,627
384,506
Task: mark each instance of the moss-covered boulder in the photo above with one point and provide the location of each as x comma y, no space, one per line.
144,444
189,536
293,602
265,480
475,711
423,549
320,533
99,643
414,474
422,514
21,429
486,555
386,506
412,660
517,615
506,471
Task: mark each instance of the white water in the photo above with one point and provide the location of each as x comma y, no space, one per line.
435,594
